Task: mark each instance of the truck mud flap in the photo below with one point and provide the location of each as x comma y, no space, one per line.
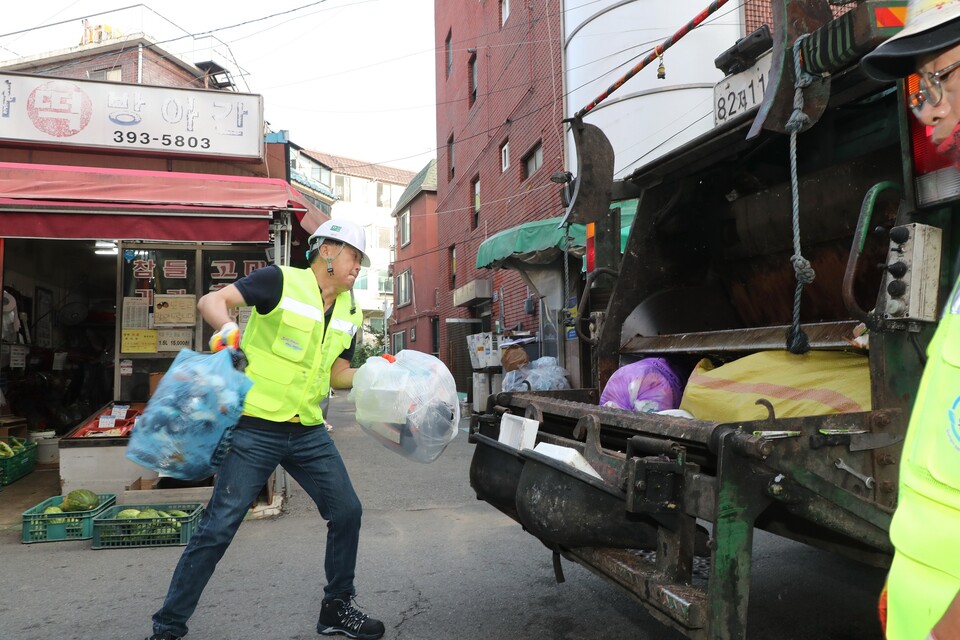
495,473
567,507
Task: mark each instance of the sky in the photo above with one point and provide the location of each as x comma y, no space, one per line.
352,78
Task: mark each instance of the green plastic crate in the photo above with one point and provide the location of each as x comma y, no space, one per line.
57,527
19,465
109,532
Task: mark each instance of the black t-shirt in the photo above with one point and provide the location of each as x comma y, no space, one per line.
262,289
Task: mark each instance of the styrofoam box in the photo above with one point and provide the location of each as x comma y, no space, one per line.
481,391
491,353
570,456
483,350
518,432
496,383
475,360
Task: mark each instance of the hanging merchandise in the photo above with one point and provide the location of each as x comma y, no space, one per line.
186,428
10,327
409,406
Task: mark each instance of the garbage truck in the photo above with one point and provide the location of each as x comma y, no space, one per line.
806,240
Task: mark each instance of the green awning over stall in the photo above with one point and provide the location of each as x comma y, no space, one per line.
543,241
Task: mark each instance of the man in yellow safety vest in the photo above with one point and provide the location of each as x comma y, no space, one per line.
299,342
921,597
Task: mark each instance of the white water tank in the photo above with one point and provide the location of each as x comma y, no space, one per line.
646,117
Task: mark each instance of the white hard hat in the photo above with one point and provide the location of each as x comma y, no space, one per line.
343,231
931,25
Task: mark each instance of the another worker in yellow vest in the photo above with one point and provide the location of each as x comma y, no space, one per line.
299,341
922,599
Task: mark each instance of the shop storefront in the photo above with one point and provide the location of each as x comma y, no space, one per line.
121,205
102,270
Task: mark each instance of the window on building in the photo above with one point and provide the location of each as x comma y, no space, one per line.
533,161
399,341
475,209
341,188
505,156
404,228
453,267
448,47
404,285
112,75
383,196
504,11
383,237
361,282
450,156
385,283
473,78
376,326
325,175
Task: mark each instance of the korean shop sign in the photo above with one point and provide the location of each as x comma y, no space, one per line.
130,117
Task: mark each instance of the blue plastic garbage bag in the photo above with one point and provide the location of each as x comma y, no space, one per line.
185,430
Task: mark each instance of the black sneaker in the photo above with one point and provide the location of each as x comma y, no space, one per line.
338,615
166,635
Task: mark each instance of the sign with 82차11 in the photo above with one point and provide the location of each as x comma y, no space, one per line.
130,117
740,92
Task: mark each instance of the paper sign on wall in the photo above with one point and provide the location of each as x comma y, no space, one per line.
138,341
173,310
18,356
174,339
136,312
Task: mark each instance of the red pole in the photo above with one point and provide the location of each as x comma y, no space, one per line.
657,52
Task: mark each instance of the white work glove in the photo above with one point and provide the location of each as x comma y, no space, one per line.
228,336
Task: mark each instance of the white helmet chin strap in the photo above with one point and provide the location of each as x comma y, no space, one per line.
353,300
331,259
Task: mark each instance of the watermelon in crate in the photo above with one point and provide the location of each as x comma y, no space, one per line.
62,518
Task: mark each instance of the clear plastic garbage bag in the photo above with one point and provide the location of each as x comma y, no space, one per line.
186,428
409,406
543,374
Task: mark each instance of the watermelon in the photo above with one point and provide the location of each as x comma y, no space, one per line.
80,500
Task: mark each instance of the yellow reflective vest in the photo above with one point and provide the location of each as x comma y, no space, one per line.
289,355
925,575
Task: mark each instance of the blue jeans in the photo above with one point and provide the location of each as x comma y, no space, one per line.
312,459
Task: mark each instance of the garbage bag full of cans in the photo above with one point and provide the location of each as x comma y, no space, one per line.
185,430
410,406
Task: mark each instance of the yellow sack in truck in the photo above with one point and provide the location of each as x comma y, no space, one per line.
813,384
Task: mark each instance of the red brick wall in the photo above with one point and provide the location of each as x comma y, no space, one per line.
423,258
156,69
519,98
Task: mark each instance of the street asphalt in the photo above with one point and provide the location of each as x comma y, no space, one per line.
435,564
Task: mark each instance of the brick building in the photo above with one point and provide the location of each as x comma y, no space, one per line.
415,323
499,139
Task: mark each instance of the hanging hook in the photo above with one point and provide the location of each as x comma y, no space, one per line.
661,70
